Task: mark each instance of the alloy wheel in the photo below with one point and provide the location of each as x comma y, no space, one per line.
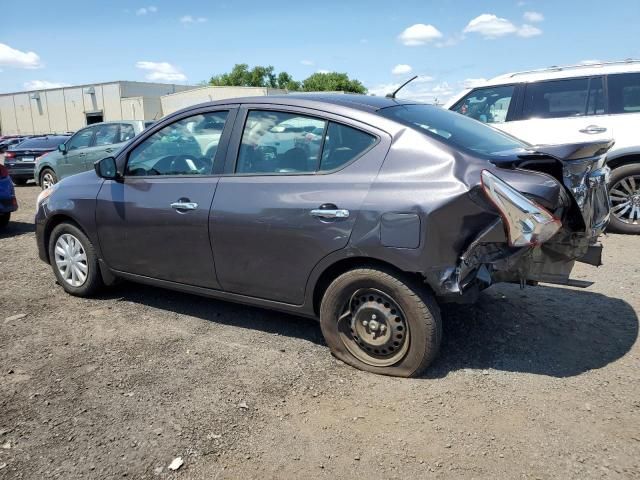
374,328
625,200
48,180
71,260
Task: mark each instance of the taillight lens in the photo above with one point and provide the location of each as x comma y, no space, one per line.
9,155
4,173
527,223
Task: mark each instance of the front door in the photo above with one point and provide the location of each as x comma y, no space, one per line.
155,222
73,161
294,187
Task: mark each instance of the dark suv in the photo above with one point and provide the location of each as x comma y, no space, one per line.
363,212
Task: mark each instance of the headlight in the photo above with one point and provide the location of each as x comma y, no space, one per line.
45,194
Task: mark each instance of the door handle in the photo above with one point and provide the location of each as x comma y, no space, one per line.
592,129
330,213
184,205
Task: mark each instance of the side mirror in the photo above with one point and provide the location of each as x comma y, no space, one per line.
62,148
107,168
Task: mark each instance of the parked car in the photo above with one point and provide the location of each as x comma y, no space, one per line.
7,143
86,146
572,104
402,206
8,202
21,158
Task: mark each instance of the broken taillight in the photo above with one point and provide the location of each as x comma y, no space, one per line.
526,222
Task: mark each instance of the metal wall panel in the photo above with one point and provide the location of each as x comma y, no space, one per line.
23,113
57,111
8,125
73,99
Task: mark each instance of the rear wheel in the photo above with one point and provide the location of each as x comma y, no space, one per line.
74,260
381,322
624,192
47,178
4,219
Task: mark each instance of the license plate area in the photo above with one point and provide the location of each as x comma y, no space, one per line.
28,159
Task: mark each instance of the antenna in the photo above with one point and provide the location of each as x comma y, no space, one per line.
393,95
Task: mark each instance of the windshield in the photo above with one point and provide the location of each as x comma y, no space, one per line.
41,142
453,128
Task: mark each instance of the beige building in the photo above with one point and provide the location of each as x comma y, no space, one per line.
175,101
71,108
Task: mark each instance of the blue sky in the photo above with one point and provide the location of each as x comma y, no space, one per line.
446,42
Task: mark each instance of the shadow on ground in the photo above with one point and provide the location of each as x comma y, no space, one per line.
558,332
551,331
15,228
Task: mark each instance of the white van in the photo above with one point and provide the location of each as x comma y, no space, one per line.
572,104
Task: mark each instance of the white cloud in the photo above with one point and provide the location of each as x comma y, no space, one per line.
490,26
188,19
533,17
307,62
161,71
401,69
146,10
527,31
43,85
474,82
10,57
419,34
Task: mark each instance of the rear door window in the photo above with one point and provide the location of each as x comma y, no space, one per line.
556,99
624,93
289,143
107,134
488,105
126,132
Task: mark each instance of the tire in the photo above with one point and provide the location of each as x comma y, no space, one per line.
621,190
4,219
93,280
49,177
410,314
19,181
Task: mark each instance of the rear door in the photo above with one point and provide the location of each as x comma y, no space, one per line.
155,221
561,111
294,184
624,111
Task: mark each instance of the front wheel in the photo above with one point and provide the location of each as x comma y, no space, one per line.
48,178
624,192
4,219
74,261
381,322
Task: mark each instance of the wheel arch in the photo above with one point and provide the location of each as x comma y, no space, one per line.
624,159
342,265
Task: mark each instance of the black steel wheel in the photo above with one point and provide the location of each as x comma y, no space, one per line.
381,321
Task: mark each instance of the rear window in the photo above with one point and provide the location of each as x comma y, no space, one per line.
624,93
42,142
454,129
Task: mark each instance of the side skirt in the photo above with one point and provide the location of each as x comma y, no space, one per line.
300,310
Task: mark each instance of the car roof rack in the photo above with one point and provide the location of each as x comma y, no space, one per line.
556,68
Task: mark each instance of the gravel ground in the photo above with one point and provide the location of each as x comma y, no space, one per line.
535,383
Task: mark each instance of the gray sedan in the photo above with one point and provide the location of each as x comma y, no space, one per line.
366,213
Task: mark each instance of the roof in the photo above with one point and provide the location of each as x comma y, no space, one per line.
570,71
314,100
83,85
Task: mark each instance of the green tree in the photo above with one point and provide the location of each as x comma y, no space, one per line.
242,76
332,82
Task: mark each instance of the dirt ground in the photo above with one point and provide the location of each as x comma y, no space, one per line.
536,383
